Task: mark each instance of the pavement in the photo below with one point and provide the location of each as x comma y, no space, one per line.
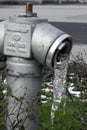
70,18
57,13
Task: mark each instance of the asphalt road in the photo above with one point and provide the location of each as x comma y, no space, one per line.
78,31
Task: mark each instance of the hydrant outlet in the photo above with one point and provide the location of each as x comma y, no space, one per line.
46,41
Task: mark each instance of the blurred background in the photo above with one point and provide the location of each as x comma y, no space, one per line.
42,1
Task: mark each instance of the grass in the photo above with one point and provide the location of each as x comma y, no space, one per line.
3,104
74,117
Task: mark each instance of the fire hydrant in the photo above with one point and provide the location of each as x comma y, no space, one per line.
28,42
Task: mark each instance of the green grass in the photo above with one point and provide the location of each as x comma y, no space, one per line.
74,117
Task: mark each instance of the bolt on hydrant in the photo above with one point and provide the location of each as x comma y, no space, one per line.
29,43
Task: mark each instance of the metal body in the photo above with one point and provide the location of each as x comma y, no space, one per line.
28,42
23,73
24,78
2,34
18,35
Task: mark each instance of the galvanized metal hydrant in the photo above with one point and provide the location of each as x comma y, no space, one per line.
28,42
